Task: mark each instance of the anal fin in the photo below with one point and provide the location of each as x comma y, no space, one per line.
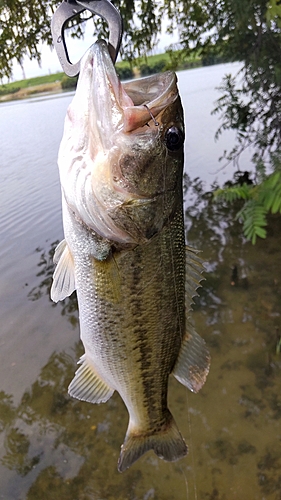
88,386
193,363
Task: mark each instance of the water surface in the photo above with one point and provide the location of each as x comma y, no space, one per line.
54,447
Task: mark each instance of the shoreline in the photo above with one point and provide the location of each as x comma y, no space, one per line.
24,93
55,87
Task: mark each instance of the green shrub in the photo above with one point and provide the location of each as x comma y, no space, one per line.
151,69
124,72
8,90
68,83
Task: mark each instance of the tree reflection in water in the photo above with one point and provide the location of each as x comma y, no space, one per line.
56,447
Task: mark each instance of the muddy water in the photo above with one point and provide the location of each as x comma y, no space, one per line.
54,447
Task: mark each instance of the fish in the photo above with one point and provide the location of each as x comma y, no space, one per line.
121,172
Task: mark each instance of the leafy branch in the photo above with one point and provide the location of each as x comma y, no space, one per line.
259,200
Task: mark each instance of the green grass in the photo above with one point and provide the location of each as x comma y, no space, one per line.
155,59
140,60
38,80
31,82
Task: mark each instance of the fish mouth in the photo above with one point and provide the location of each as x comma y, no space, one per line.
120,106
113,167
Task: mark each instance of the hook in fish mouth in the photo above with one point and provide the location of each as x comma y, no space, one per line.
156,123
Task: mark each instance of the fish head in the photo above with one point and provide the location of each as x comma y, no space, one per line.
121,156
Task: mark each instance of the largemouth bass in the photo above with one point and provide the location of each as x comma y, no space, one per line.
121,164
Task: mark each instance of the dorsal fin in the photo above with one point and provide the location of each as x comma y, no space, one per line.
193,271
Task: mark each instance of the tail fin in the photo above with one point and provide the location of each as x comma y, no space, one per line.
168,444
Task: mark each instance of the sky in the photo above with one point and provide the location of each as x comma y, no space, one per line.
76,48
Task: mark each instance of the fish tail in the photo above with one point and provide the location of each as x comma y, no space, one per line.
168,444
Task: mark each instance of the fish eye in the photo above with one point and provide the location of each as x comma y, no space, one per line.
174,138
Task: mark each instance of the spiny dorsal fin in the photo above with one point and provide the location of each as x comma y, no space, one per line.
193,363
88,386
64,278
193,270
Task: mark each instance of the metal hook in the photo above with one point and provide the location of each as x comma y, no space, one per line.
67,11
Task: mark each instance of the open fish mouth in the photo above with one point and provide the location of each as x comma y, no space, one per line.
115,152
117,105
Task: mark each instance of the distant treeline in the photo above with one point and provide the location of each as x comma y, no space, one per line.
126,72
171,60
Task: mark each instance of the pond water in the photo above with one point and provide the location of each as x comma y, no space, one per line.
54,447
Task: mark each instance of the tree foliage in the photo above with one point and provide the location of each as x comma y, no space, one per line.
25,24
259,200
235,29
250,104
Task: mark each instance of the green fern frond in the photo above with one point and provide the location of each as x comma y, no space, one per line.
253,215
230,194
260,200
269,193
276,206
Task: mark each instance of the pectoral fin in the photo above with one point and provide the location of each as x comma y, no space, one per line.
193,363
64,278
88,386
